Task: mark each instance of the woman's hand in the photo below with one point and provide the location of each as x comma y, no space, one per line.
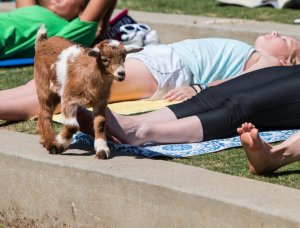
180,94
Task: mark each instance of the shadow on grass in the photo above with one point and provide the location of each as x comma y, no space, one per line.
5,123
282,173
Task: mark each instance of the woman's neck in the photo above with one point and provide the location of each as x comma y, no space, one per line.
254,58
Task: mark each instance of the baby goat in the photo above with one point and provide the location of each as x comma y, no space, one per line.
74,75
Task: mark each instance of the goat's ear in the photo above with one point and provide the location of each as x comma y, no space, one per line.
132,48
95,52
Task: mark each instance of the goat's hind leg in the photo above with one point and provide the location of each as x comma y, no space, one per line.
45,124
71,126
100,145
48,100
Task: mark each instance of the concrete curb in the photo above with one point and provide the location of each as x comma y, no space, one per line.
80,191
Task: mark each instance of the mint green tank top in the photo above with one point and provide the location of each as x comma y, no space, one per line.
211,59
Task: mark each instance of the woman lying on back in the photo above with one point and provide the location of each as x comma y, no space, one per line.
166,71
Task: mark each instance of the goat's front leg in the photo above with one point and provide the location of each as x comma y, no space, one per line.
71,126
100,145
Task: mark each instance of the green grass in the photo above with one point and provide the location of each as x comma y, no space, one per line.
232,161
212,9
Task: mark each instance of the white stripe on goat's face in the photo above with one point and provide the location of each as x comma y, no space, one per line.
64,142
65,56
114,43
100,144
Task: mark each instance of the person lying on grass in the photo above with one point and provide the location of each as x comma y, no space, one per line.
166,71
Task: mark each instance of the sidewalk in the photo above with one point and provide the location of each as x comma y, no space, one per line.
177,27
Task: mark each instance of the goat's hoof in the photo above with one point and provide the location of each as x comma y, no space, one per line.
56,149
42,142
102,154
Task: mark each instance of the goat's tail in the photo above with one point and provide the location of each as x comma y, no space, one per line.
41,35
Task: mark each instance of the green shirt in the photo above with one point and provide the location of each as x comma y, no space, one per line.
19,27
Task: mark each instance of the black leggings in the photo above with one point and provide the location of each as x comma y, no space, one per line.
269,98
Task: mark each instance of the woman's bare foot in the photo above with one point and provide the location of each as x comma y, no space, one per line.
260,156
125,129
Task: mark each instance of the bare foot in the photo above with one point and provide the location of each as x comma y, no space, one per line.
125,129
260,157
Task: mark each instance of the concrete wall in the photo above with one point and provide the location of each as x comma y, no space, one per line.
77,190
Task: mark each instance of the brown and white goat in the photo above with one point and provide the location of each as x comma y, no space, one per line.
74,75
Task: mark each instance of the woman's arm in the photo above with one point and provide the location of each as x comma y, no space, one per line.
96,10
22,3
99,11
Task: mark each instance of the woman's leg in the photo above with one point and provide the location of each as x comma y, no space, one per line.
216,121
25,89
127,130
273,105
19,103
264,158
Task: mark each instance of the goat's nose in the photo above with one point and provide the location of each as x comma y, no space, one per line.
121,73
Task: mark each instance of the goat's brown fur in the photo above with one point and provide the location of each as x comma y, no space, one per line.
74,75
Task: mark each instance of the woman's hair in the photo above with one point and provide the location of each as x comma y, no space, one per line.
294,58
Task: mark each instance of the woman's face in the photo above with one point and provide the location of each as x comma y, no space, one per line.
276,45
68,9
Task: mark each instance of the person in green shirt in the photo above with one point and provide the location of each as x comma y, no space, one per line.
76,20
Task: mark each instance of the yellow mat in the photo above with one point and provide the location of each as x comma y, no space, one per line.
140,106
132,107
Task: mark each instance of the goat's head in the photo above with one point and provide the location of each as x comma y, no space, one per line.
111,56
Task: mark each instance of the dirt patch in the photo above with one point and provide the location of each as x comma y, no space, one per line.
14,218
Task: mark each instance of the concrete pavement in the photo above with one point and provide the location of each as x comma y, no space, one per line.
177,27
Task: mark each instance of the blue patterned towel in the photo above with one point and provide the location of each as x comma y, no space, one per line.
182,150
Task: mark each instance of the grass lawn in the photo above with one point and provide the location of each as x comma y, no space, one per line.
232,161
